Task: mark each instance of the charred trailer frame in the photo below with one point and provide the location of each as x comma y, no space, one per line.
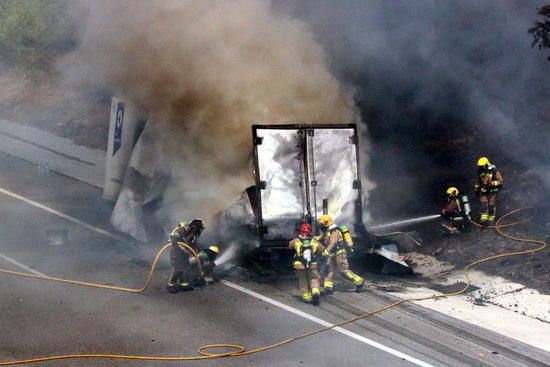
298,168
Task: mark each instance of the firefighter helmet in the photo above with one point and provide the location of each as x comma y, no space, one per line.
326,220
452,191
305,230
198,225
483,161
212,252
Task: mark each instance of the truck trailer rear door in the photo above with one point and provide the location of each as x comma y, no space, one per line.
279,174
334,175
296,168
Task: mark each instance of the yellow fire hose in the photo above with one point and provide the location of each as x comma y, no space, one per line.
112,287
239,350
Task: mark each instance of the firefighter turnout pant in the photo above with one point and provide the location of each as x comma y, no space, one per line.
339,262
180,268
488,207
454,225
308,280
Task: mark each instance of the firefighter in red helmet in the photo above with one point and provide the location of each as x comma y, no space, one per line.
306,252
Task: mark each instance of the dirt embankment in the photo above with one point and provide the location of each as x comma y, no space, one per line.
453,164
460,250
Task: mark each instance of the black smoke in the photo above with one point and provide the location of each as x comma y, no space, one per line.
439,83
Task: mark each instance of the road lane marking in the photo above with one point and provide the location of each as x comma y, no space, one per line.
62,215
225,282
282,306
22,266
319,321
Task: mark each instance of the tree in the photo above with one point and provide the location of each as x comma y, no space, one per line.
33,33
541,30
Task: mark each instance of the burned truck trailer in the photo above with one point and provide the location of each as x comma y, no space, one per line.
302,172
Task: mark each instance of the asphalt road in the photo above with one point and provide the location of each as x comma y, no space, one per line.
39,318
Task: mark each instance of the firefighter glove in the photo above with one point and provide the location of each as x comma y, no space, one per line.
174,239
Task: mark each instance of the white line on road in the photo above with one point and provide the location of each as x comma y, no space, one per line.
326,323
227,283
62,215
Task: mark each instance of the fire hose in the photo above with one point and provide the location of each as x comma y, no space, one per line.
238,350
112,287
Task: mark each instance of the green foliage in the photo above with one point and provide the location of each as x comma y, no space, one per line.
541,30
33,33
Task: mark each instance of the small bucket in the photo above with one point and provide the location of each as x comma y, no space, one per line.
57,236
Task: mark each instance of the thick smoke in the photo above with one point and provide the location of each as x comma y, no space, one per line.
440,83
204,71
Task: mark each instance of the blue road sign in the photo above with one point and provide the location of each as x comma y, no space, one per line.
118,127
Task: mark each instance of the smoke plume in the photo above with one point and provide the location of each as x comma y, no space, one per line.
204,71
439,83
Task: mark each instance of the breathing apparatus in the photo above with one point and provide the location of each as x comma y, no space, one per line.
305,234
347,236
307,253
466,206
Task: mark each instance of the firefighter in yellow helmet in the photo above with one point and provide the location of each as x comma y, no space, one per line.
207,258
456,218
187,233
488,184
337,242
306,253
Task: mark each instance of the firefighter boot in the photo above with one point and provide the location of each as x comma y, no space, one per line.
200,281
491,215
315,296
184,286
328,287
484,218
357,281
449,229
360,286
307,297
171,287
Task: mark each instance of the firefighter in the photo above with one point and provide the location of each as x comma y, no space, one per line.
337,242
456,219
306,252
207,257
187,233
488,184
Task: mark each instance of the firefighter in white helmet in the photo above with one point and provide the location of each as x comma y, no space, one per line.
337,242
488,185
